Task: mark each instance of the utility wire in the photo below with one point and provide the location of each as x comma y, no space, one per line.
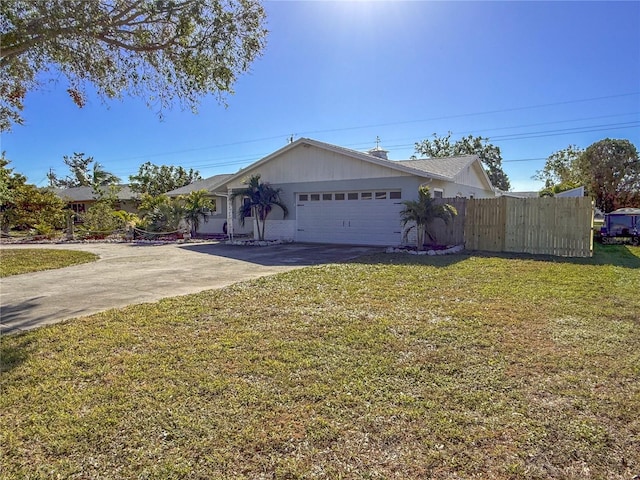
516,136
489,112
404,122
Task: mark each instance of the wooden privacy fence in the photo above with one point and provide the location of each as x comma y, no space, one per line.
548,226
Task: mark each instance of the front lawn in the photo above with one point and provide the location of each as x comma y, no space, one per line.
14,261
395,366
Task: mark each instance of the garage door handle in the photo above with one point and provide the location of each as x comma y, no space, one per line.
301,229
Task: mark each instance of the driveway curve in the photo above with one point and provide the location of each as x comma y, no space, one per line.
129,274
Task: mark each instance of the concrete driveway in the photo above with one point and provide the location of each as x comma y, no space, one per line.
129,274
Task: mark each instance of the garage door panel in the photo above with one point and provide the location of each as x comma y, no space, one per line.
366,222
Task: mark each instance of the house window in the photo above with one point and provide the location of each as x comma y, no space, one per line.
381,195
303,197
365,196
438,193
77,207
352,196
339,196
395,195
247,204
326,196
315,197
214,208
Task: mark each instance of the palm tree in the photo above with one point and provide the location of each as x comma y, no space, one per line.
196,206
161,213
100,177
424,211
168,215
258,201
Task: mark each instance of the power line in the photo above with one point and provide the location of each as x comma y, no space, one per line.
175,152
527,135
404,122
489,112
524,160
567,131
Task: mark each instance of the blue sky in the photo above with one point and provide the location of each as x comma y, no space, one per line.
534,77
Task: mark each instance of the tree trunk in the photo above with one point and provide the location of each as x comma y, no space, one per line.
261,229
420,231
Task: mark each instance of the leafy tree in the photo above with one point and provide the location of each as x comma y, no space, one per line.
24,206
561,171
488,154
84,172
555,189
611,171
101,217
196,207
259,198
8,181
422,212
160,50
32,207
156,180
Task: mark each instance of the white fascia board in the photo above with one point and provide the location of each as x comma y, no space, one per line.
336,149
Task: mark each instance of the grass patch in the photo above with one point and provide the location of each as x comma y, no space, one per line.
390,367
27,260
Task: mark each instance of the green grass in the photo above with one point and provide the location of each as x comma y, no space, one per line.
394,366
26,260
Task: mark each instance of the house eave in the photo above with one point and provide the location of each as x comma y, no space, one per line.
341,151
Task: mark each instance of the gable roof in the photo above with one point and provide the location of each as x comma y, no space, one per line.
402,166
85,194
210,184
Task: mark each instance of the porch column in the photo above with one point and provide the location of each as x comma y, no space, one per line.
230,215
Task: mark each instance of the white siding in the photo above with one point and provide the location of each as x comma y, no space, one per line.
278,230
314,164
472,180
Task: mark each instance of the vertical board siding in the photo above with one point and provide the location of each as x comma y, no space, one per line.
548,226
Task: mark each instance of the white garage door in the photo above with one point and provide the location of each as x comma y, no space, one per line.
359,218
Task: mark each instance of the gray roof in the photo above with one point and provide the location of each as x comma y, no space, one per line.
210,184
85,194
345,151
447,166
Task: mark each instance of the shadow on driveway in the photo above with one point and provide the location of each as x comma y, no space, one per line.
289,254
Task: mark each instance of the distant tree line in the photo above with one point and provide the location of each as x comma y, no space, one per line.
609,170
26,207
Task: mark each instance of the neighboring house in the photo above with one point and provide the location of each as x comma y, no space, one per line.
342,196
520,194
574,192
81,198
